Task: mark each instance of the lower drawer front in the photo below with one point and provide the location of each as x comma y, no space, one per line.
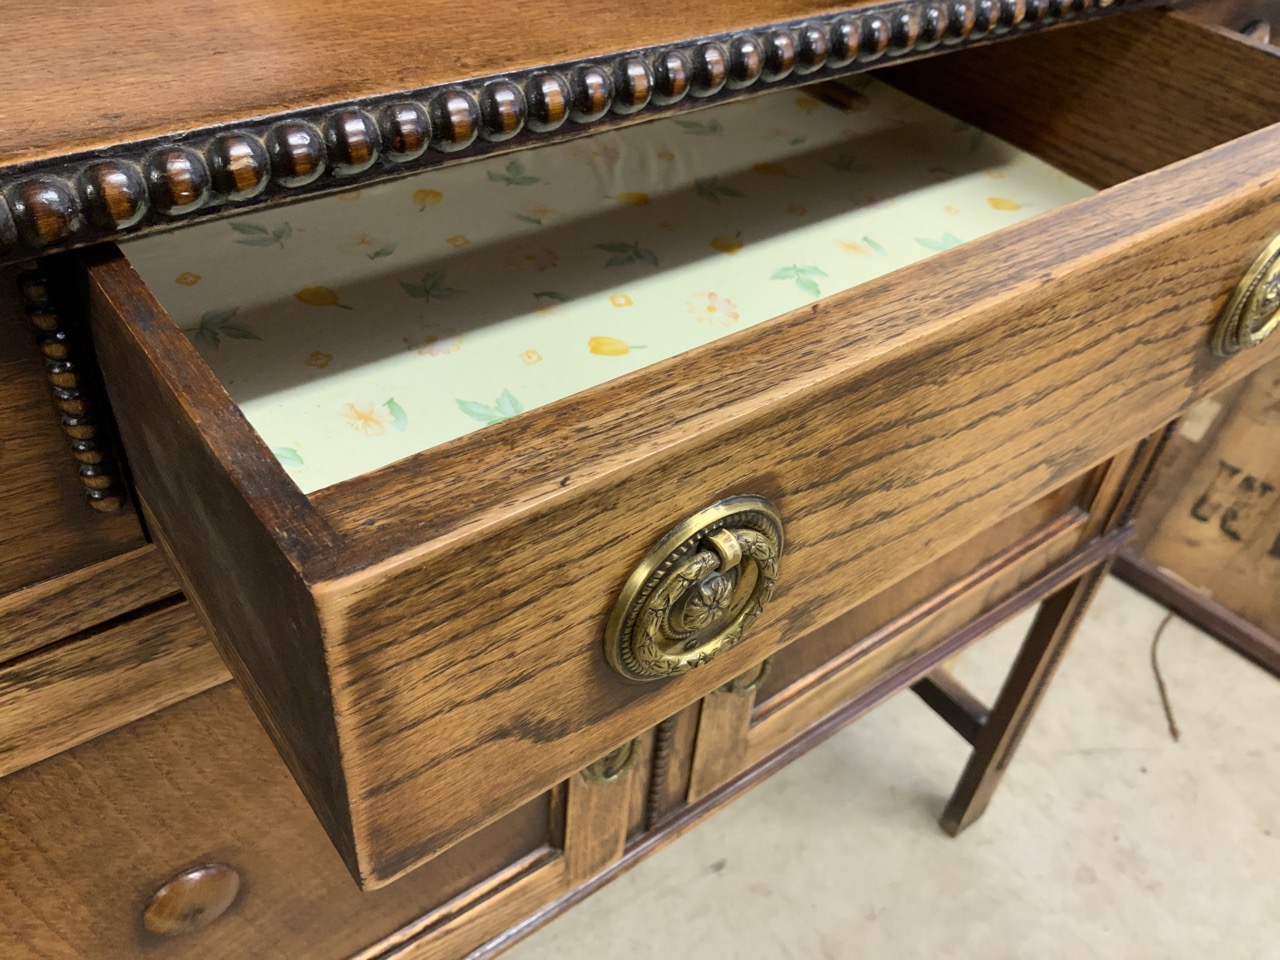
888,641
424,641
100,845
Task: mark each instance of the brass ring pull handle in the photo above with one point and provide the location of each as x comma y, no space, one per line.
750,681
697,591
611,767
1253,312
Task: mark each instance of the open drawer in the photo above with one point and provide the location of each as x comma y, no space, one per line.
421,634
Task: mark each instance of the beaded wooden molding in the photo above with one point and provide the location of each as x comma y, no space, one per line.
75,394
154,185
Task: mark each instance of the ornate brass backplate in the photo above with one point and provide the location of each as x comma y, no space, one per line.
1253,313
697,592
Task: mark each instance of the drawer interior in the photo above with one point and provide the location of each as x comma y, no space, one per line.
423,638
359,329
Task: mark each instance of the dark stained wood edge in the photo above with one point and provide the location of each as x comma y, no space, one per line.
1200,610
215,421
221,508
50,610
689,816
66,201
69,692
63,339
953,702
1100,113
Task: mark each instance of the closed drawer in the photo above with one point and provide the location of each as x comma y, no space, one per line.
423,640
183,836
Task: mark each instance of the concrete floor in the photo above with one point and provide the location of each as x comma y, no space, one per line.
1106,839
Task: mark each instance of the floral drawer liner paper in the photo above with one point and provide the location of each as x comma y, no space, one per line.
365,327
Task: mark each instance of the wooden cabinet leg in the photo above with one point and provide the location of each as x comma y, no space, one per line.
993,748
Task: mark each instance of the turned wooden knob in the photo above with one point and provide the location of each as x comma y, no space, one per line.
192,900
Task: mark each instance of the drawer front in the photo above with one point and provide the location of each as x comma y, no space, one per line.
47,527
424,643
896,636
183,836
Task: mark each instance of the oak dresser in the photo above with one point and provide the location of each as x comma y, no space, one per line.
447,454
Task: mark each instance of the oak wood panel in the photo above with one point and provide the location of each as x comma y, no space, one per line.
251,596
641,777
53,699
721,747
435,612
183,69
1103,118
91,833
46,526
596,818
88,596
894,656
1060,516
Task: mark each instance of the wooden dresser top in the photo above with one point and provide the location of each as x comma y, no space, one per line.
157,114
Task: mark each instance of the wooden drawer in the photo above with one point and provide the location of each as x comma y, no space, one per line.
423,642
92,835
47,527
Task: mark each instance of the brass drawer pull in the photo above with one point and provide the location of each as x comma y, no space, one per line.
611,767
1253,313
750,681
697,592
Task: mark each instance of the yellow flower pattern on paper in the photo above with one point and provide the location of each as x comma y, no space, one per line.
427,198
533,257
611,346
356,334
320,297
367,418
729,245
714,309
433,346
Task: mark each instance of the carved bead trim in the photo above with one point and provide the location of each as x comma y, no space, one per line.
149,186
74,395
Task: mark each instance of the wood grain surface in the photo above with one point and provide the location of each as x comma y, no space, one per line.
46,526
91,834
1060,518
74,602
56,698
178,68
452,626
1105,117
